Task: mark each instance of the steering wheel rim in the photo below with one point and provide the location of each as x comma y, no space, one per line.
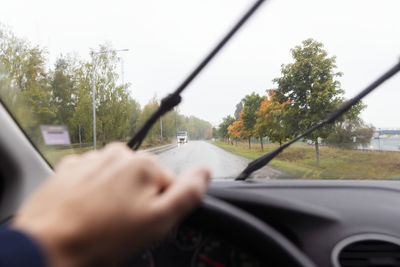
215,214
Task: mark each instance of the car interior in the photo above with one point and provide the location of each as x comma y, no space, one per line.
243,222
247,223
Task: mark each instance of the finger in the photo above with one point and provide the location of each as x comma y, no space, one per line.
67,162
167,179
115,151
157,177
149,171
113,145
96,165
137,172
182,195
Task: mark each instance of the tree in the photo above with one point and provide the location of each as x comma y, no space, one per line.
198,128
350,134
134,113
214,132
251,104
236,129
271,120
112,99
83,114
64,95
223,127
208,133
238,109
171,123
351,128
153,136
231,133
364,134
28,93
310,84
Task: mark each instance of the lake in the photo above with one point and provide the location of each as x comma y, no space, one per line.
384,143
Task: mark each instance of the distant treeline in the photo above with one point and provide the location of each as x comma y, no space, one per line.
62,95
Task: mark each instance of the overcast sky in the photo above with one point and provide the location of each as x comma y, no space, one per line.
167,38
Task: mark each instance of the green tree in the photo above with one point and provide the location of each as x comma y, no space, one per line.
351,128
251,104
112,99
134,111
198,128
83,114
238,109
214,132
153,136
28,94
351,133
180,121
64,94
169,125
223,127
311,85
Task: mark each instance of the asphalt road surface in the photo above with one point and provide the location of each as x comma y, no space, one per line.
223,164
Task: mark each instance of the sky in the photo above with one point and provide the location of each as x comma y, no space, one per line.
167,39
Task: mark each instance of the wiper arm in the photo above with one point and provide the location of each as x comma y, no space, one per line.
331,117
172,100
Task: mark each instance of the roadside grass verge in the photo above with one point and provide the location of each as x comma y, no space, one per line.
299,161
54,154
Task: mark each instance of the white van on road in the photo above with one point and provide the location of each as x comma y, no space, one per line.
182,137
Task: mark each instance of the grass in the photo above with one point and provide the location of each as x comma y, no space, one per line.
55,154
299,161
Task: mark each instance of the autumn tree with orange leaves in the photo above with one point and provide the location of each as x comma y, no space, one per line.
231,132
236,129
270,120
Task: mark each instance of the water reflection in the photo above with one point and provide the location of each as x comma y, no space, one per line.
384,143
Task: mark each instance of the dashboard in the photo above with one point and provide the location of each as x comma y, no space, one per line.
333,223
187,246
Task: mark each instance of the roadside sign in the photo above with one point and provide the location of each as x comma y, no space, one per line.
55,135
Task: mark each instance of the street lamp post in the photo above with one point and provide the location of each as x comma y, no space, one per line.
93,102
161,137
92,53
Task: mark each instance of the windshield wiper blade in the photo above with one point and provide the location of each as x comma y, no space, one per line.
172,100
331,117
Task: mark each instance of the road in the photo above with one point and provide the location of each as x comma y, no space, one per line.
223,164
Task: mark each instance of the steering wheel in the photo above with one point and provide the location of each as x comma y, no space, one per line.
267,244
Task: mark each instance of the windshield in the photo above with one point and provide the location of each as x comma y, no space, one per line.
79,75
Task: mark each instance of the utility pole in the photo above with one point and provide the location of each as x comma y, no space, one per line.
93,103
161,129
122,71
92,54
80,136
